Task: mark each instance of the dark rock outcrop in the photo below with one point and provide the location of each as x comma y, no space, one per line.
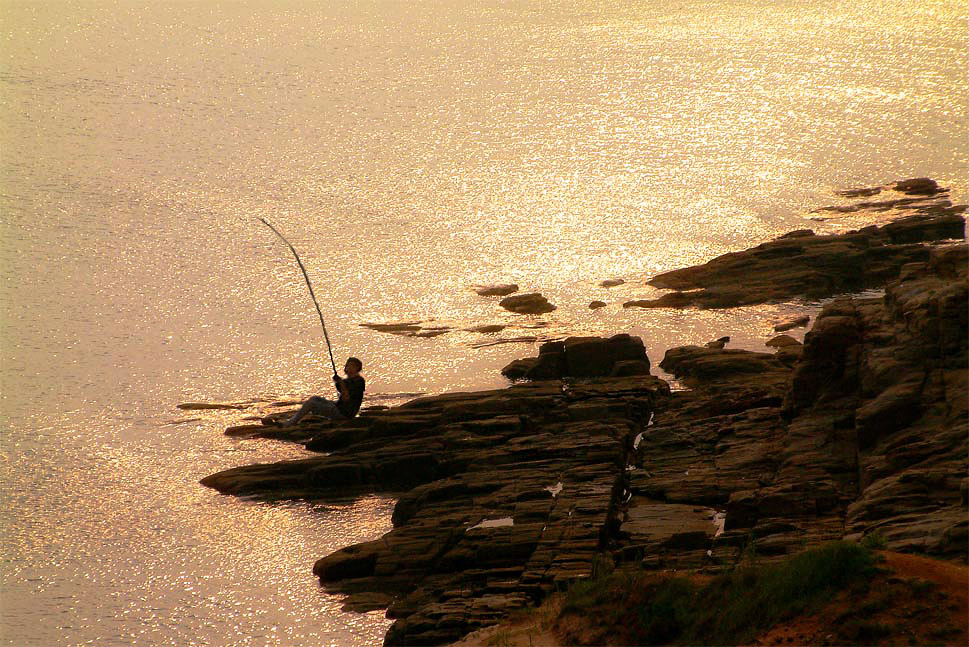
808,265
782,341
532,303
595,305
582,357
918,186
508,494
409,328
866,433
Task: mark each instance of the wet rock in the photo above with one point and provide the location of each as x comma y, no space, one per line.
792,322
798,233
595,305
918,186
540,462
199,406
530,303
611,283
628,367
486,328
864,192
394,326
807,266
496,289
717,343
782,341
582,357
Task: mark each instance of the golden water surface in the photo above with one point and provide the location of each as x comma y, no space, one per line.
409,150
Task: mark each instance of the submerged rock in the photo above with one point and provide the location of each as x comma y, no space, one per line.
408,328
496,289
863,192
487,328
200,406
532,303
611,283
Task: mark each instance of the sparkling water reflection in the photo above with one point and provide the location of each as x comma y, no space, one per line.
409,152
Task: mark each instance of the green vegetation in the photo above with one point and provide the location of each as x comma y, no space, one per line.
731,608
875,541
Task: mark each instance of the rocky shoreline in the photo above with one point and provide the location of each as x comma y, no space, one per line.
508,495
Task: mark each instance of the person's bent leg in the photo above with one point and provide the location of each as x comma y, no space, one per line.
311,405
328,409
317,406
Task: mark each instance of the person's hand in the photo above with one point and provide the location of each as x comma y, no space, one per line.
337,380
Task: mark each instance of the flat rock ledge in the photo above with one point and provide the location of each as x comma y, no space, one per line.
802,264
507,495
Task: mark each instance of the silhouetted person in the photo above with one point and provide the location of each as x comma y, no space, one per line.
351,396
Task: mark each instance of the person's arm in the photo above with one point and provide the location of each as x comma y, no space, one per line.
342,388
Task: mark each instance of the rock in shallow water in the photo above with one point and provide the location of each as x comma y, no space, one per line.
791,323
866,433
918,186
782,341
496,289
611,283
809,266
532,303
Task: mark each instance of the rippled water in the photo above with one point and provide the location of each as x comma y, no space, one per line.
409,150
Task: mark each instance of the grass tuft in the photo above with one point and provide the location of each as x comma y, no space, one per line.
732,608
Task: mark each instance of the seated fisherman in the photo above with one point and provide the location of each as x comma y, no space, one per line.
351,395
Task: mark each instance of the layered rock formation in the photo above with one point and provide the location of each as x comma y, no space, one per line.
583,357
803,264
508,494
867,433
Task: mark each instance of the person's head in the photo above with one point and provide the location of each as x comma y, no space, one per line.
353,367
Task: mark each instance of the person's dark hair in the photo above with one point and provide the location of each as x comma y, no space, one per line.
355,361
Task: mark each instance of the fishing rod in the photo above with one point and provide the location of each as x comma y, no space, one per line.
310,286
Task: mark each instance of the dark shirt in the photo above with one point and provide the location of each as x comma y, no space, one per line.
349,406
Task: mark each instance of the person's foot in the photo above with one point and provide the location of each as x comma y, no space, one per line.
275,420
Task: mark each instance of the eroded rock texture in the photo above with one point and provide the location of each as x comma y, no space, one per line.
807,265
866,433
615,356
508,494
